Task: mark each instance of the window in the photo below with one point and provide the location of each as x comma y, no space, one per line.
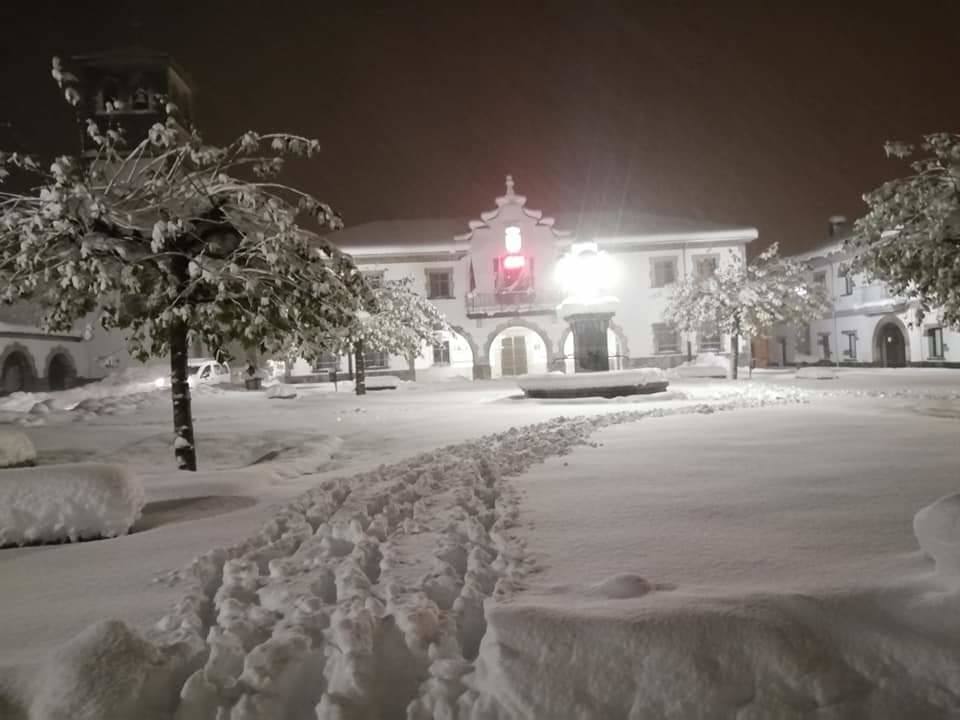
374,278
375,359
663,272
706,266
326,362
848,284
851,351
708,339
441,353
439,284
935,343
665,339
803,339
823,340
820,278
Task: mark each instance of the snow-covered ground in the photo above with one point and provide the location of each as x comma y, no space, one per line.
683,562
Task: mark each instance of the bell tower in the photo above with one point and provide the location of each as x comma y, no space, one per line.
130,88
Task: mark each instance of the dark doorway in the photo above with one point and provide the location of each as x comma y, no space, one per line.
60,373
891,346
15,375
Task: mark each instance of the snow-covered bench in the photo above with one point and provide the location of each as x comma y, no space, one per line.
16,450
72,502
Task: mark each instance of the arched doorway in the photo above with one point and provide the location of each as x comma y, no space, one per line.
891,345
518,350
613,347
60,372
16,374
450,356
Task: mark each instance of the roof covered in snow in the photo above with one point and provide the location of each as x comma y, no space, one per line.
432,235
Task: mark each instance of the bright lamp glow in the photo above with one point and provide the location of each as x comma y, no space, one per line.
585,272
512,240
512,262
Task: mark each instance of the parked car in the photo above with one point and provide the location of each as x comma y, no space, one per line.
202,371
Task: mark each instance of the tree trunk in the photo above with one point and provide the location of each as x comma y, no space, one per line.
360,370
735,350
183,447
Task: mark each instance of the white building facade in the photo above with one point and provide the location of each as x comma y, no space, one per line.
493,278
868,325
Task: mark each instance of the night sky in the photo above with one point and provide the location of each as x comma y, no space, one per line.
727,111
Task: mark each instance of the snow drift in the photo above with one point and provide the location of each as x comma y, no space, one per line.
937,528
816,372
762,656
16,450
281,391
704,365
67,502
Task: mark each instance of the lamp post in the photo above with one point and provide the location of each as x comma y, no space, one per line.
585,274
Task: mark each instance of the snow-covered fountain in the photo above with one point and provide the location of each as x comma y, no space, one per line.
587,274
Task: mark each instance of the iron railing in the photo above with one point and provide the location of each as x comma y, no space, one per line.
518,302
617,362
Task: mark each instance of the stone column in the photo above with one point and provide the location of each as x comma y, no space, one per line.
591,353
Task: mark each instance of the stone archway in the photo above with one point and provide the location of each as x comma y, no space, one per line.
623,347
891,343
470,341
18,372
529,328
61,369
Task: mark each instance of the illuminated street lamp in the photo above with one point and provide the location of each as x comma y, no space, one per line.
587,274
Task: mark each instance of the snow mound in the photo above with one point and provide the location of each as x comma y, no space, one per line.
937,527
383,382
760,656
67,502
709,365
648,379
107,671
621,586
816,372
16,450
281,391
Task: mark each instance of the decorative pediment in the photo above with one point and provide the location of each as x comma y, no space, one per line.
510,204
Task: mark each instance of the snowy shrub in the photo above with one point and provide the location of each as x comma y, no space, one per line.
67,502
16,450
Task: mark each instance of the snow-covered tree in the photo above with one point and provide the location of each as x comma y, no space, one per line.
171,240
398,321
747,299
910,237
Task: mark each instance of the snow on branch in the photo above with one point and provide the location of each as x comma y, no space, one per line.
168,229
910,236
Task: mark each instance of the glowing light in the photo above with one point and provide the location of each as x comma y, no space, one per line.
586,272
513,262
512,240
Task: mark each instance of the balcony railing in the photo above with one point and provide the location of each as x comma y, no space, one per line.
517,303
864,297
